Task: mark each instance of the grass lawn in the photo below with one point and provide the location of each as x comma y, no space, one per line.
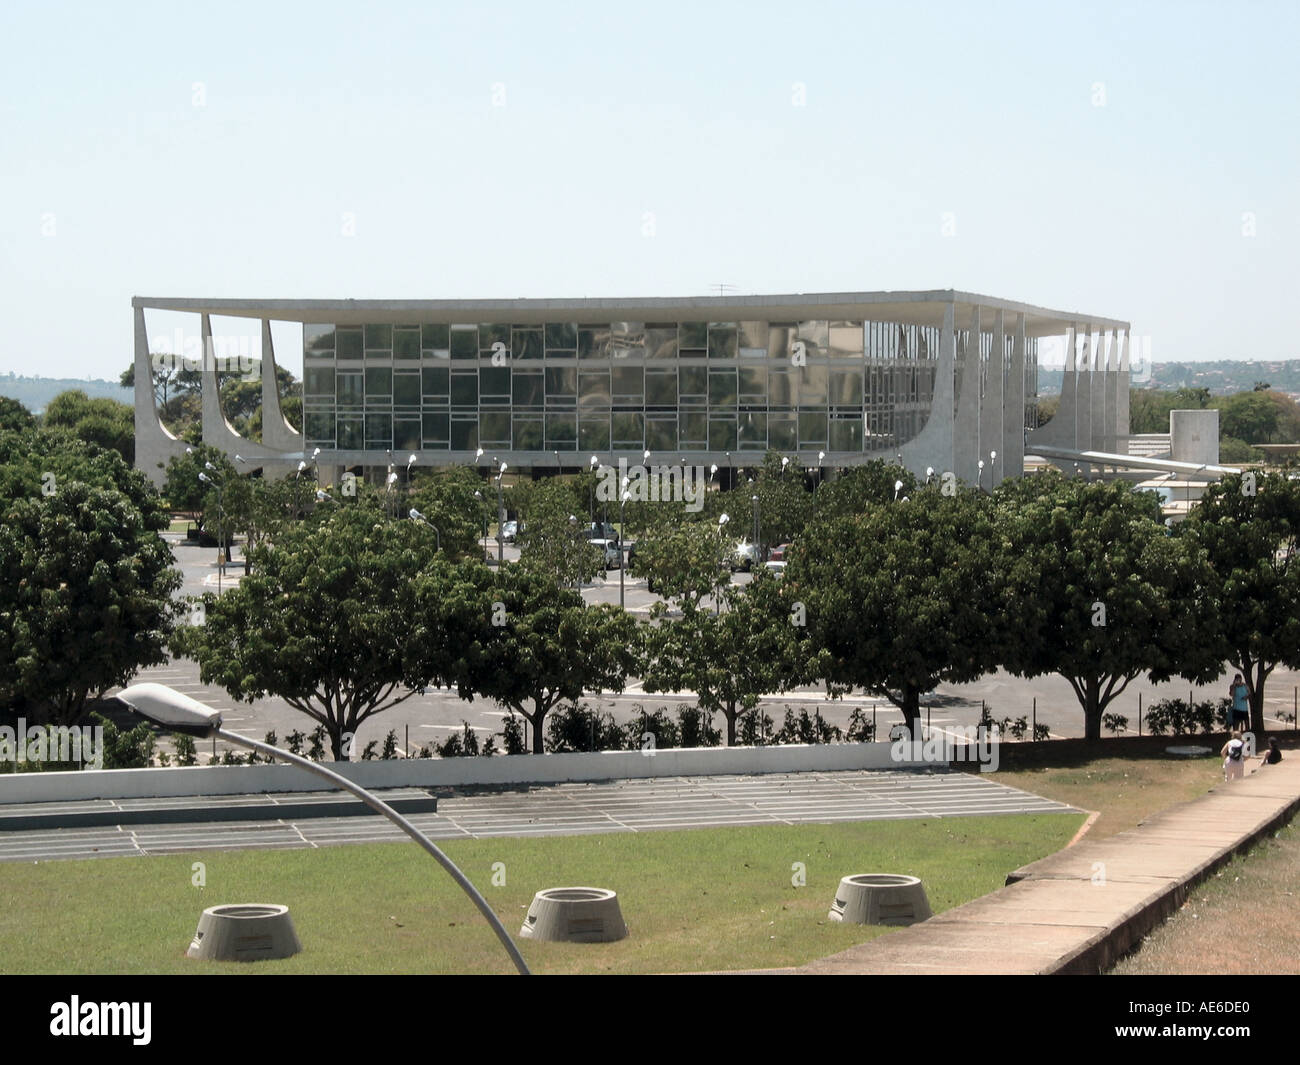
1241,920
693,900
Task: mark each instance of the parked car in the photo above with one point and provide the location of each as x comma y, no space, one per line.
510,531
777,569
601,530
777,554
612,551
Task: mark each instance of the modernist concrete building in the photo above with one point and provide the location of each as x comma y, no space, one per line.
938,380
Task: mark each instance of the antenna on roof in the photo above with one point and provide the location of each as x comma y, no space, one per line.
723,288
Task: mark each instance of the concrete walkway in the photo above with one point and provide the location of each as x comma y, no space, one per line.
1084,907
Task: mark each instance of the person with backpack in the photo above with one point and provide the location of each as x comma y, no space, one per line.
1234,758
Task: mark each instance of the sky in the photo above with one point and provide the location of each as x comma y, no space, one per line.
1137,161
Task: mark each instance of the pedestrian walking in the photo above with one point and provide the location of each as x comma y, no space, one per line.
1234,758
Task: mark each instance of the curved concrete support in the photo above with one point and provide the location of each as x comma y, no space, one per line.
1100,381
991,413
154,443
1061,430
276,430
966,421
1013,423
1083,389
1121,390
933,445
220,433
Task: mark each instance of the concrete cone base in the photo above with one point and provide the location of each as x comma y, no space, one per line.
880,898
250,932
574,915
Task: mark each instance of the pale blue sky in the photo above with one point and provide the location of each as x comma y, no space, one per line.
1098,158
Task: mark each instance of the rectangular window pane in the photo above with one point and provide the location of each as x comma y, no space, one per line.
782,432
436,382
464,389
661,434
528,433
561,432
593,388
753,431
318,381
694,336
846,388
464,342
406,390
722,388
379,431
846,434
527,389
435,337
660,388
594,342
406,434
562,385
406,343
628,430
351,434
694,429
593,430
812,386
319,429
494,428
561,335
350,388
812,428
753,384
661,341
350,345
494,381
492,333
464,434
722,433
436,427
693,381
845,340
628,384
722,342
379,337
379,381
317,338
526,343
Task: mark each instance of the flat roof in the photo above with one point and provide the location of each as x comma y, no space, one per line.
912,308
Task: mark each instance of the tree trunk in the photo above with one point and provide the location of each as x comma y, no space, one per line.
336,733
1257,725
911,708
537,718
1091,709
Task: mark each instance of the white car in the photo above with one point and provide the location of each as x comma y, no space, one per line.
612,551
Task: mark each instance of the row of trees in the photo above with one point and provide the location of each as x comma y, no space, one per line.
349,613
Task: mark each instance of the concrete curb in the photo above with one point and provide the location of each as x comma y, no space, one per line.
1083,908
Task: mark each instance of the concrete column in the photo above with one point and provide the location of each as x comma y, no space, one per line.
1122,340
991,415
967,420
154,443
933,445
1083,402
1100,377
276,431
1011,459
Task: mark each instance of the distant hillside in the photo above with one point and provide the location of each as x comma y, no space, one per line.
34,392
1222,377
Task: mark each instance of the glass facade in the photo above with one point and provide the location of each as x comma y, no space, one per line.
855,387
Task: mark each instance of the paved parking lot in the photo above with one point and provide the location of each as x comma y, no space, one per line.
575,809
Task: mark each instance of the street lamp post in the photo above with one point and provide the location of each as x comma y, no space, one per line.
221,526
717,601
758,553
415,515
500,519
179,713
622,524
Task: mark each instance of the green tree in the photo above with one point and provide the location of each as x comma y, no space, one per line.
1248,416
864,489
1094,589
86,586
730,659
553,539
325,621
1248,526
14,417
537,646
447,499
684,559
901,597
104,422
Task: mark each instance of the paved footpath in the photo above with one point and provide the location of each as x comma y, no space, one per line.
1081,909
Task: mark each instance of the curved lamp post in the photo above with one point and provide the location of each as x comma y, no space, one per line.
221,529
415,515
175,712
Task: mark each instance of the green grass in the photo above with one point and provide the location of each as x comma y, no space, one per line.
693,900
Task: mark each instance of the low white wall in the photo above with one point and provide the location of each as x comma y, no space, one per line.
444,772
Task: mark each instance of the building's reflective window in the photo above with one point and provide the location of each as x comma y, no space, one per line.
379,338
753,431
782,432
561,432
594,342
406,434
846,388
528,433
780,388
693,383
780,340
722,432
436,429
628,384
660,341
693,337
317,338
593,388
494,339
846,434
351,433
660,388
693,428
722,340
526,342
753,384
752,339
561,386
379,431
406,390
593,430
464,389
722,388
349,344
845,340
812,385
494,384
494,428
528,389
464,342
628,430
351,389
435,337
815,337
435,384
812,428
379,383
319,428
406,343
661,433
318,381
464,434
561,338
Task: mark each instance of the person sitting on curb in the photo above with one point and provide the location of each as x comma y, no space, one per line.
1272,756
1234,758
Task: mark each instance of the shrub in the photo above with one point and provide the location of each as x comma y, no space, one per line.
186,752
755,728
1114,723
512,734
580,728
695,727
861,728
806,729
659,725
131,749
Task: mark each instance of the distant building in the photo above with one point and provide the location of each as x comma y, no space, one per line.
936,380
